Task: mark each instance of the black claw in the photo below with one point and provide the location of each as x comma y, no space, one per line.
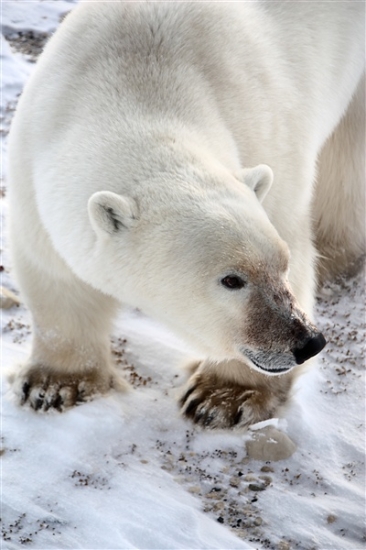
25,392
80,397
38,403
237,417
57,403
200,417
209,418
26,389
192,406
186,395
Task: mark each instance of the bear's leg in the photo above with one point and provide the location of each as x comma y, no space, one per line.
70,359
229,394
339,198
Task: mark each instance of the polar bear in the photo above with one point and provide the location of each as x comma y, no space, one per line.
163,156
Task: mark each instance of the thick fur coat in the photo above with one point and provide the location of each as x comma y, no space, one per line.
164,156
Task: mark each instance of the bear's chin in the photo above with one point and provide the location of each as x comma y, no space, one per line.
271,365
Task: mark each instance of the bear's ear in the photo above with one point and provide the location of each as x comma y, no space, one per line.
259,179
110,213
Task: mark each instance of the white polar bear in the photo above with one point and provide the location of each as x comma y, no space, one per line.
139,160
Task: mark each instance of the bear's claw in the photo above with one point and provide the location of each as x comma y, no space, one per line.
51,396
43,389
217,404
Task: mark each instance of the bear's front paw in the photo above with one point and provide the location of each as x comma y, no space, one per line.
42,388
213,403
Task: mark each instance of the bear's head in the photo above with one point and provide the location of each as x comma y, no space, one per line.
204,258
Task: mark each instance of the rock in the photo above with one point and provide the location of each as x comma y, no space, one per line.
269,444
167,467
250,477
218,506
8,299
234,482
194,489
267,469
266,479
257,486
213,495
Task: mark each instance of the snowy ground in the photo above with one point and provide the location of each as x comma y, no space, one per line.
126,471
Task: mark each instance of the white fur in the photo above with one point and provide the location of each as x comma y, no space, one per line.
168,121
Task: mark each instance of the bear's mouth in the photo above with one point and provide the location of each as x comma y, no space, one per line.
269,362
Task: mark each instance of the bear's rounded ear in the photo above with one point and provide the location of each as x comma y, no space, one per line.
110,213
259,179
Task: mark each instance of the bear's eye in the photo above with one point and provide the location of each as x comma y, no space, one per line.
233,282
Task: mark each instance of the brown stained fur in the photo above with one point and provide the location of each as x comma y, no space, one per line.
275,321
215,402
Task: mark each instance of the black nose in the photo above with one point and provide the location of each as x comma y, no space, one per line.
312,347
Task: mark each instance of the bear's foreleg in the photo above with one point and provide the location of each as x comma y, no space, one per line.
231,394
70,359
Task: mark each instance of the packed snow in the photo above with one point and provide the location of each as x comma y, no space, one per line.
126,470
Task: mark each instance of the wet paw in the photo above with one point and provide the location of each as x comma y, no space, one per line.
213,403
43,389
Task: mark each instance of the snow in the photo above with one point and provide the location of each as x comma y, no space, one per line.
25,15
126,471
